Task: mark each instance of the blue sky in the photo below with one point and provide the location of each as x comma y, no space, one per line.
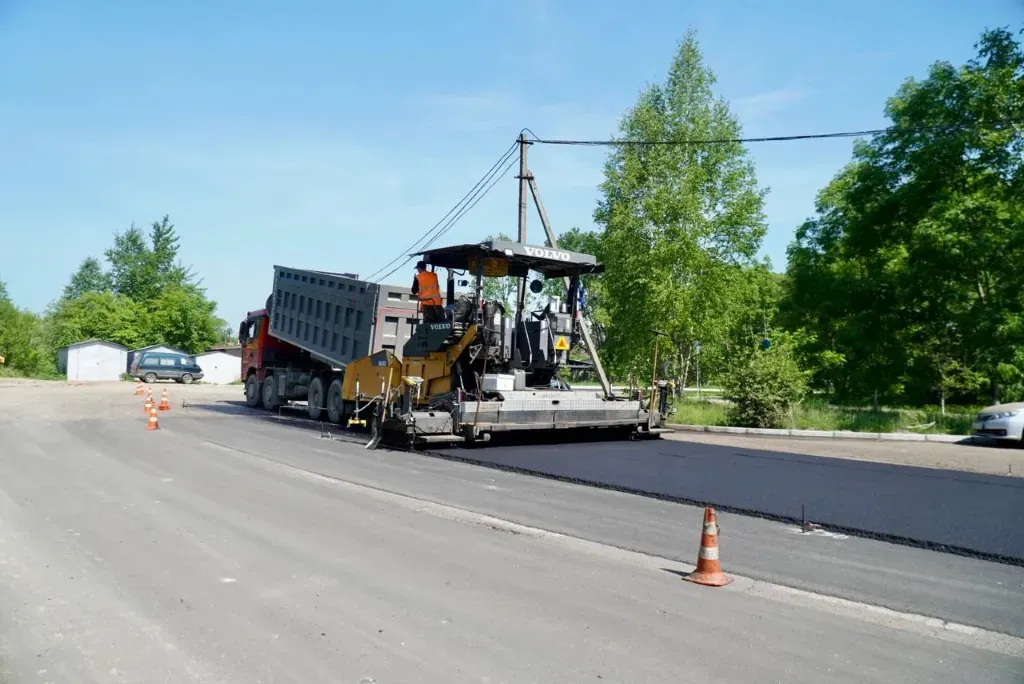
331,135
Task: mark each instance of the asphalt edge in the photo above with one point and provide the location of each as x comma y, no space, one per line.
827,434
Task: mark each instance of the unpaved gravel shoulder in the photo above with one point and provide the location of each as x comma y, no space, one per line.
989,460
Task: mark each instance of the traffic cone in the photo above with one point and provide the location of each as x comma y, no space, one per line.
164,404
154,424
709,571
138,388
147,405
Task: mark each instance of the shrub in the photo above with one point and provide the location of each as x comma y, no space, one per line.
763,386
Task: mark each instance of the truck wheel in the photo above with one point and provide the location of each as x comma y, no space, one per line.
252,391
315,399
270,399
335,410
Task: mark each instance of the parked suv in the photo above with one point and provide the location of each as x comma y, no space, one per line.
153,366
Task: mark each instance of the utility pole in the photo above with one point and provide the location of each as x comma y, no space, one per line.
524,177
521,239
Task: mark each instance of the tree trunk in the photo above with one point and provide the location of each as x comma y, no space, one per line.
685,360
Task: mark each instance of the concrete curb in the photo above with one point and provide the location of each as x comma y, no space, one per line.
827,434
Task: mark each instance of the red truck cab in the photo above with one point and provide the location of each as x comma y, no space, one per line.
262,351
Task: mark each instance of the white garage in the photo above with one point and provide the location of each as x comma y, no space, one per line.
221,365
93,361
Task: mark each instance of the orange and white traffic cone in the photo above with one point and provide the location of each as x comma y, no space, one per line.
138,388
164,404
154,424
147,405
709,571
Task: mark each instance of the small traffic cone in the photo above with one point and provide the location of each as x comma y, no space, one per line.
147,405
164,404
709,571
154,424
138,388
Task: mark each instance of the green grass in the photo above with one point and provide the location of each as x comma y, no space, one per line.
6,372
816,414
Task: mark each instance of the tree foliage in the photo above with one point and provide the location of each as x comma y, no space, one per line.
908,280
89,277
146,297
505,288
19,332
501,289
681,225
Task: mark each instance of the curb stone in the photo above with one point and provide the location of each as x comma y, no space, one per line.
827,434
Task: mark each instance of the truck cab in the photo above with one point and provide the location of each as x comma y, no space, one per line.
262,352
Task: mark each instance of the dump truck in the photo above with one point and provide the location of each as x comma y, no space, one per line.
326,322
478,372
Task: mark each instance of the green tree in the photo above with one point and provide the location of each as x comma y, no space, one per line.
18,331
681,223
141,268
89,277
131,263
764,384
101,315
501,289
504,289
909,272
182,317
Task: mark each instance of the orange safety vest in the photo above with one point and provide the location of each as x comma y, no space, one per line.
429,291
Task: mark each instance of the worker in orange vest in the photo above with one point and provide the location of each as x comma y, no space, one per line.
426,289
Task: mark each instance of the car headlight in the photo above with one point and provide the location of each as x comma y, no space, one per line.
1004,414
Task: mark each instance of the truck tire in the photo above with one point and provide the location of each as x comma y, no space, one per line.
335,406
269,393
315,398
252,391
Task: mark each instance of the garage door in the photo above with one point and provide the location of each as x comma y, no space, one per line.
95,364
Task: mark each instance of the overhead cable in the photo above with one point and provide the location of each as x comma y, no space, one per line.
1002,123
468,201
455,219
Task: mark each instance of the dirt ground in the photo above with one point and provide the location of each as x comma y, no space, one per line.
60,400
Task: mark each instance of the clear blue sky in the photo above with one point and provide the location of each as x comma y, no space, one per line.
330,135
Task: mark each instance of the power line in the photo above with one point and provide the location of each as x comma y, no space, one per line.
504,172
782,138
473,197
455,219
465,198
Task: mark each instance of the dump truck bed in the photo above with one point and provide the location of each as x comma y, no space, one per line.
330,315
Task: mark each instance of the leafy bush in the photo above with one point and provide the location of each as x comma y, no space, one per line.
763,386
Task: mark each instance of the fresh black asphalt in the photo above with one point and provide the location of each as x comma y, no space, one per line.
966,512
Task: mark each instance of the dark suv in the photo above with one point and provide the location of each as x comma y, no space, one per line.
153,366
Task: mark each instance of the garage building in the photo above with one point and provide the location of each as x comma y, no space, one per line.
221,365
92,361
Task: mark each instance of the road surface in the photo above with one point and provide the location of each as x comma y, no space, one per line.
225,548
971,511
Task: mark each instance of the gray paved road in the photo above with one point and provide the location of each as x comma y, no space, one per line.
190,555
973,511
966,590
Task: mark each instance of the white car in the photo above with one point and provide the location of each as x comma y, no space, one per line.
1002,422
